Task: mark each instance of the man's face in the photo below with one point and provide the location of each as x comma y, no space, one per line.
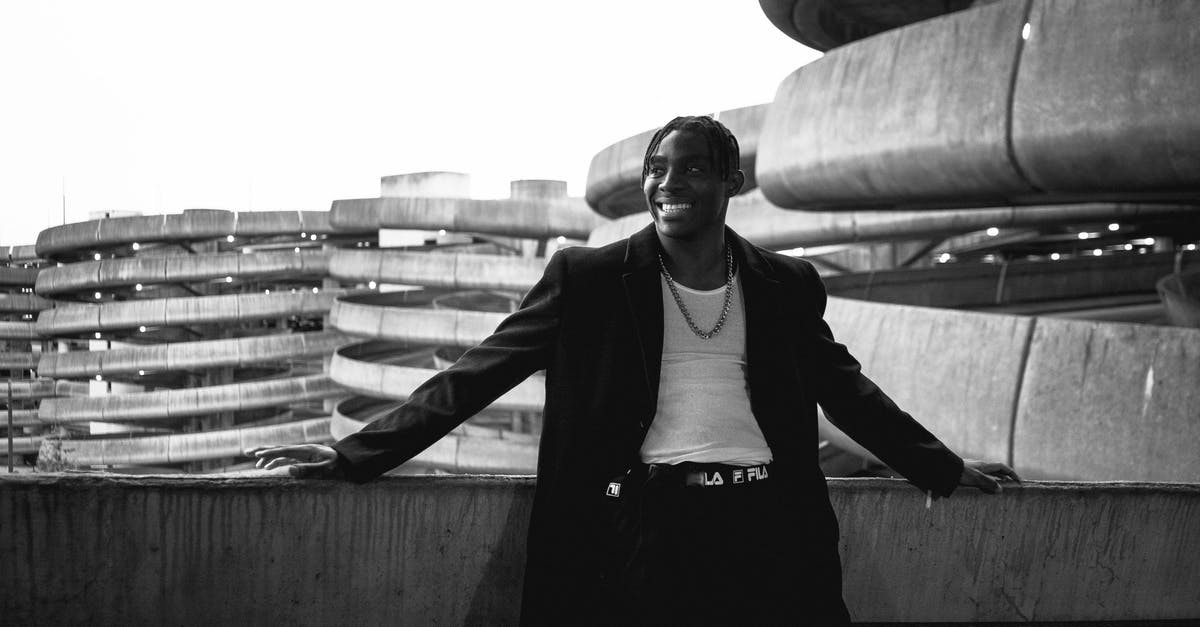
684,190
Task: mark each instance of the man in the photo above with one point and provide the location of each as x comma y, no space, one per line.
677,474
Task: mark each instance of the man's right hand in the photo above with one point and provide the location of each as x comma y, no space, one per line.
303,460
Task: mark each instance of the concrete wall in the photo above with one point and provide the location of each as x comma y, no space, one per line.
449,551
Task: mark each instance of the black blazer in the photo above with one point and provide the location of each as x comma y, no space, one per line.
594,322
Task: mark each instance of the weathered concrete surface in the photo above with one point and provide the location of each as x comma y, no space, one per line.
86,317
958,373
448,270
1110,402
186,447
450,327
771,227
17,331
825,24
450,551
910,115
175,403
191,225
89,275
1105,99
1096,105
541,219
194,355
614,181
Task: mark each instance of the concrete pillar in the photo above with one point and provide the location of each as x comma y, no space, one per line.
536,189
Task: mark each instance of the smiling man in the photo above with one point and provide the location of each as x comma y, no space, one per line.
677,475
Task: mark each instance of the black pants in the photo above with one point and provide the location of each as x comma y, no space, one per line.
728,555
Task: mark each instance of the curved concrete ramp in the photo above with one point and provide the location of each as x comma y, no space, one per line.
825,24
187,447
771,227
462,271
192,225
157,312
188,402
1059,398
451,327
962,111
531,218
127,271
241,351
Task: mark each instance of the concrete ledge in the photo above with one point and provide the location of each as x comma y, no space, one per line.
448,270
163,404
89,275
109,316
825,24
191,355
192,224
424,550
541,219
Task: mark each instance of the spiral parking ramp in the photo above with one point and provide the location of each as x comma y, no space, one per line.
185,338
455,293
21,387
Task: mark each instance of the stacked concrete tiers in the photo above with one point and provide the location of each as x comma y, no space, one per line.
456,289
205,336
20,345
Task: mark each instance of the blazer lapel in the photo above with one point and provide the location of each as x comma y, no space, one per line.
764,327
643,296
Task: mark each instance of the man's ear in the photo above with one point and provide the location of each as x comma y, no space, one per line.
734,184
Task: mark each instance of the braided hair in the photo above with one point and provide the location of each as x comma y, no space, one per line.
722,145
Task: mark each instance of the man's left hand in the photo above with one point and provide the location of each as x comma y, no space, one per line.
986,476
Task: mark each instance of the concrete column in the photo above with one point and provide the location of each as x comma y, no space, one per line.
536,189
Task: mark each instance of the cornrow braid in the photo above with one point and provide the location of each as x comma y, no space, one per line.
722,145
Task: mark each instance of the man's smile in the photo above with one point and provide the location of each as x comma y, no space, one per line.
669,209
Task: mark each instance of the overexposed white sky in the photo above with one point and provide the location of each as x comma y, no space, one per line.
160,106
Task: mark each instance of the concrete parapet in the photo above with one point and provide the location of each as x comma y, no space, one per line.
963,110
185,402
540,219
1105,99
26,253
448,270
452,327
825,24
89,275
754,218
450,551
958,373
186,447
240,351
191,225
85,318
11,276
873,123
1110,401
18,330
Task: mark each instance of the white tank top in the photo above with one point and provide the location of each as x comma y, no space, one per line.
703,413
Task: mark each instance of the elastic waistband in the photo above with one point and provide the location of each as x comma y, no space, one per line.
694,475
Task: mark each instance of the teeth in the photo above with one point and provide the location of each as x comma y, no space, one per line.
676,206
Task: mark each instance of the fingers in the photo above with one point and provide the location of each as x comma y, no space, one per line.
313,469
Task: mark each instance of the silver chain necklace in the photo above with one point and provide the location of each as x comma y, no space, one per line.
683,308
